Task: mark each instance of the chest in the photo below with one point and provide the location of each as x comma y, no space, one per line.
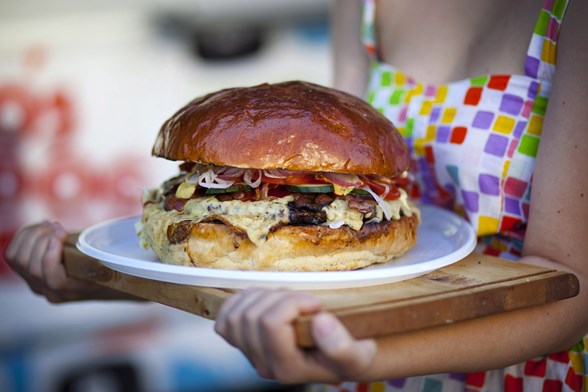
443,41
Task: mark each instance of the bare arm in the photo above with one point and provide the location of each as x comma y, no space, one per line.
36,254
556,238
349,57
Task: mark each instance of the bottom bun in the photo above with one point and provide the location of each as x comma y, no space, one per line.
287,248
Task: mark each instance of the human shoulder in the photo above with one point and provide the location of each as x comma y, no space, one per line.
558,221
573,35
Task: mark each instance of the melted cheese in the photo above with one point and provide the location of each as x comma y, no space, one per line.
256,218
395,207
339,211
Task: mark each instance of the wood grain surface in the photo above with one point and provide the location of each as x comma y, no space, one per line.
476,286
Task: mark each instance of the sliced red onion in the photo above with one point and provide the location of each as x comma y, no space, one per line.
346,180
231,172
275,173
384,182
209,179
380,202
248,178
223,185
383,185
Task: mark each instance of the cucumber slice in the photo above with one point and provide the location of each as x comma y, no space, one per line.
358,191
310,188
231,189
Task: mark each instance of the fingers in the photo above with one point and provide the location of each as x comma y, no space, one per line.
277,338
237,315
35,253
36,259
349,357
15,245
18,254
54,274
56,285
38,253
246,308
259,323
276,322
53,271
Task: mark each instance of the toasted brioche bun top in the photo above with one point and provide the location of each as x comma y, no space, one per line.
291,125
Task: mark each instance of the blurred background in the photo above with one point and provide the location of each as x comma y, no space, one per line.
84,87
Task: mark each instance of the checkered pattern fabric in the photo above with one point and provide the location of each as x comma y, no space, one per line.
474,143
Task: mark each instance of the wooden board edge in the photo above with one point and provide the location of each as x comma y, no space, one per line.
201,301
391,318
399,317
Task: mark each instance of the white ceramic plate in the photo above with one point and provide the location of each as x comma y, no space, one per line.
443,238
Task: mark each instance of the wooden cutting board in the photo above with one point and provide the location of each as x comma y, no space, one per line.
476,286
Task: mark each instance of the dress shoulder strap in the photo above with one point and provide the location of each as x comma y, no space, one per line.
542,52
368,28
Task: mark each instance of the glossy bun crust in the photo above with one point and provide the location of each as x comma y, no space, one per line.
292,125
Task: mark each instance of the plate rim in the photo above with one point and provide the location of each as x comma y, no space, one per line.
241,277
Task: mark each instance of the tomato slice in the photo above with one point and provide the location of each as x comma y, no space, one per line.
302,179
278,191
402,182
393,194
399,181
293,179
380,189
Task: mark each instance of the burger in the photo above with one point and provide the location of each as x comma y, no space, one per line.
290,176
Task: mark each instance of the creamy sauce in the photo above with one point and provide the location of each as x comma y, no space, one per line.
339,211
256,218
395,207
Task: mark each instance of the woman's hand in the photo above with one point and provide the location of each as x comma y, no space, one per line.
35,253
259,322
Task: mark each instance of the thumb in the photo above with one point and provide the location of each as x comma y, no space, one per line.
348,356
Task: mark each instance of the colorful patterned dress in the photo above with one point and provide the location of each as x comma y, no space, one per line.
474,143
